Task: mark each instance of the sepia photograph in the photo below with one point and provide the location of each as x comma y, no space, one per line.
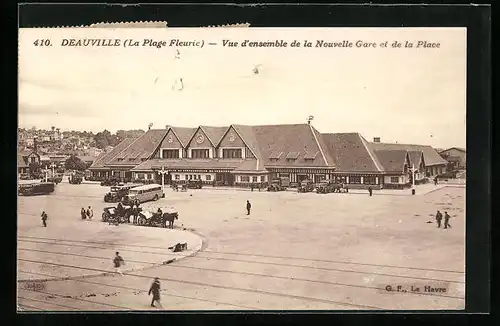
241,168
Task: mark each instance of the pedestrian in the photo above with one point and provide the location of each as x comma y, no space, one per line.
44,219
118,262
90,213
251,186
439,217
249,206
446,220
435,181
370,190
155,290
135,212
83,214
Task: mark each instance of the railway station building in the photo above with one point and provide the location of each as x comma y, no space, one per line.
239,155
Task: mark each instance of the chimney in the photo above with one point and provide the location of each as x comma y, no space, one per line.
309,119
35,145
376,139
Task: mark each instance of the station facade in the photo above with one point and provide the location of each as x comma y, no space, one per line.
239,155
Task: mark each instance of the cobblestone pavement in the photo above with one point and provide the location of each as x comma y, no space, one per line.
295,251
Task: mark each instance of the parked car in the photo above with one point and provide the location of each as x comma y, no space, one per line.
117,193
110,182
306,186
279,184
55,179
195,184
75,179
329,186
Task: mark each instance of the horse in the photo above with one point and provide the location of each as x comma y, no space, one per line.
170,217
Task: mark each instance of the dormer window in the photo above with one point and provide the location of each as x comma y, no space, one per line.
232,153
170,153
275,156
200,153
310,156
292,156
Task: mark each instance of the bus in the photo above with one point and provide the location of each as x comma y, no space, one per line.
144,193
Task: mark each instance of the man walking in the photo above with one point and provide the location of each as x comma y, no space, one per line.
118,261
439,217
44,219
435,181
446,220
370,190
155,290
90,213
249,206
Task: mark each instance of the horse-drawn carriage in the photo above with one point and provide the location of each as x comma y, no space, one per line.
157,219
329,186
118,215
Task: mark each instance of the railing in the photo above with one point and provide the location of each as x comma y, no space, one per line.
452,181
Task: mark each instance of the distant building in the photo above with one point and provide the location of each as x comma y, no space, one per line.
24,159
87,159
238,155
456,156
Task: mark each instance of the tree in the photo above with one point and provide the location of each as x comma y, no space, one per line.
102,139
74,163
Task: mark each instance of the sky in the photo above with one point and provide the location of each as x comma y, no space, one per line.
408,95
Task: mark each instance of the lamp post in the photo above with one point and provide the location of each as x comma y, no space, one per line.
52,165
413,179
162,172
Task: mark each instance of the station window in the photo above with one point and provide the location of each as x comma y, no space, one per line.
262,179
199,153
245,178
187,178
231,153
208,177
177,177
254,179
394,179
170,153
354,179
369,180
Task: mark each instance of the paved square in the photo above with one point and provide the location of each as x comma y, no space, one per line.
294,251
